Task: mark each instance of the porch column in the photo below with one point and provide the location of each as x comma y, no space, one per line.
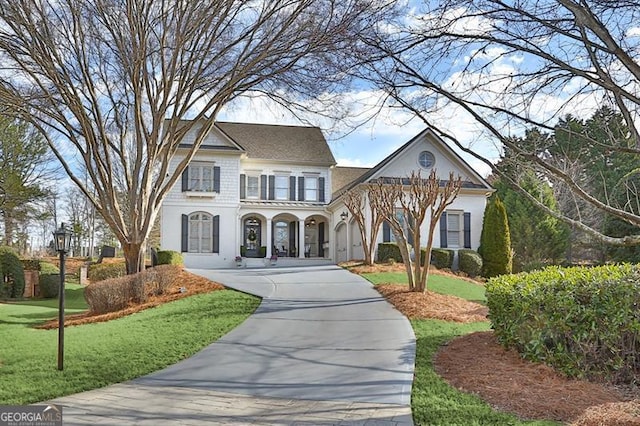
239,235
269,241
348,248
301,246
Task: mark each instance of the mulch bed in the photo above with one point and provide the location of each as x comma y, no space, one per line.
476,363
194,284
432,305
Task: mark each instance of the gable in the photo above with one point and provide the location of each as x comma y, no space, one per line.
407,160
404,160
215,139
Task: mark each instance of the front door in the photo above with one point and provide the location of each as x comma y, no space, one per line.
252,237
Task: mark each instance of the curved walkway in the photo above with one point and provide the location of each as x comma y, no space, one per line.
323,348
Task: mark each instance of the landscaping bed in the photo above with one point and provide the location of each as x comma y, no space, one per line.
477,365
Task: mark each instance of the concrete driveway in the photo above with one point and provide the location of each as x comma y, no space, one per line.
322,337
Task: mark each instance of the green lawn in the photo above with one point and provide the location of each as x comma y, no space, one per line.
104,353
437,283
433,401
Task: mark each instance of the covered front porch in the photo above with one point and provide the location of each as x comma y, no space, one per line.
284,235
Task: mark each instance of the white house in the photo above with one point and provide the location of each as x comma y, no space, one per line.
256,190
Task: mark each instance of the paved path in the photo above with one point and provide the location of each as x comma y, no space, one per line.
322,348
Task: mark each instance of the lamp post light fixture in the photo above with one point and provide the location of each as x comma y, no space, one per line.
344,215
62,244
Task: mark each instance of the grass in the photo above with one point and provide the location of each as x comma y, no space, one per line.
437,283
100,354
433,401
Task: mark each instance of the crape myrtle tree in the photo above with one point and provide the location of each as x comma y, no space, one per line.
503,67
114,86
416,199
356,201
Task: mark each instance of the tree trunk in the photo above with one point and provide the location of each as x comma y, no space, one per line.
8,230
134,257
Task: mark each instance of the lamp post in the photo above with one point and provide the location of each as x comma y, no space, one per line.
62,244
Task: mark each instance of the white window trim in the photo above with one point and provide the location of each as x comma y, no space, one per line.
246,186
460,215
285,177
316,179
199,166
209,237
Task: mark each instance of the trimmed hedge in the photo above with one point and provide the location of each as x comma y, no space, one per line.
170,257
442,258
469,262
388,251
11,274
114,294
104,271
582,321
49,285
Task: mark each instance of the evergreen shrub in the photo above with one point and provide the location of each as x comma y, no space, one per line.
49,285
12,274
495,240
170,257
583,321
470,262
442,258
387,251
103,271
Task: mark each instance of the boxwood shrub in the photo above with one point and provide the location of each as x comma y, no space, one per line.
582,321
388,251
170,257
442,258
49,285
469,262
103,271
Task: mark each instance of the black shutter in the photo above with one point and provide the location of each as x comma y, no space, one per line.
216,234
243,186
272,187
263,187
386,232
300,188
321,239
443,230
185,234
185,180
292,238
292,188
321,189
216,179
467,230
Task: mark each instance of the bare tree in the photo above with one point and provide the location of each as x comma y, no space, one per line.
356,201
115,86
414,196
506,67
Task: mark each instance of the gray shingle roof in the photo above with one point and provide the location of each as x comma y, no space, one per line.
280,143
342,176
